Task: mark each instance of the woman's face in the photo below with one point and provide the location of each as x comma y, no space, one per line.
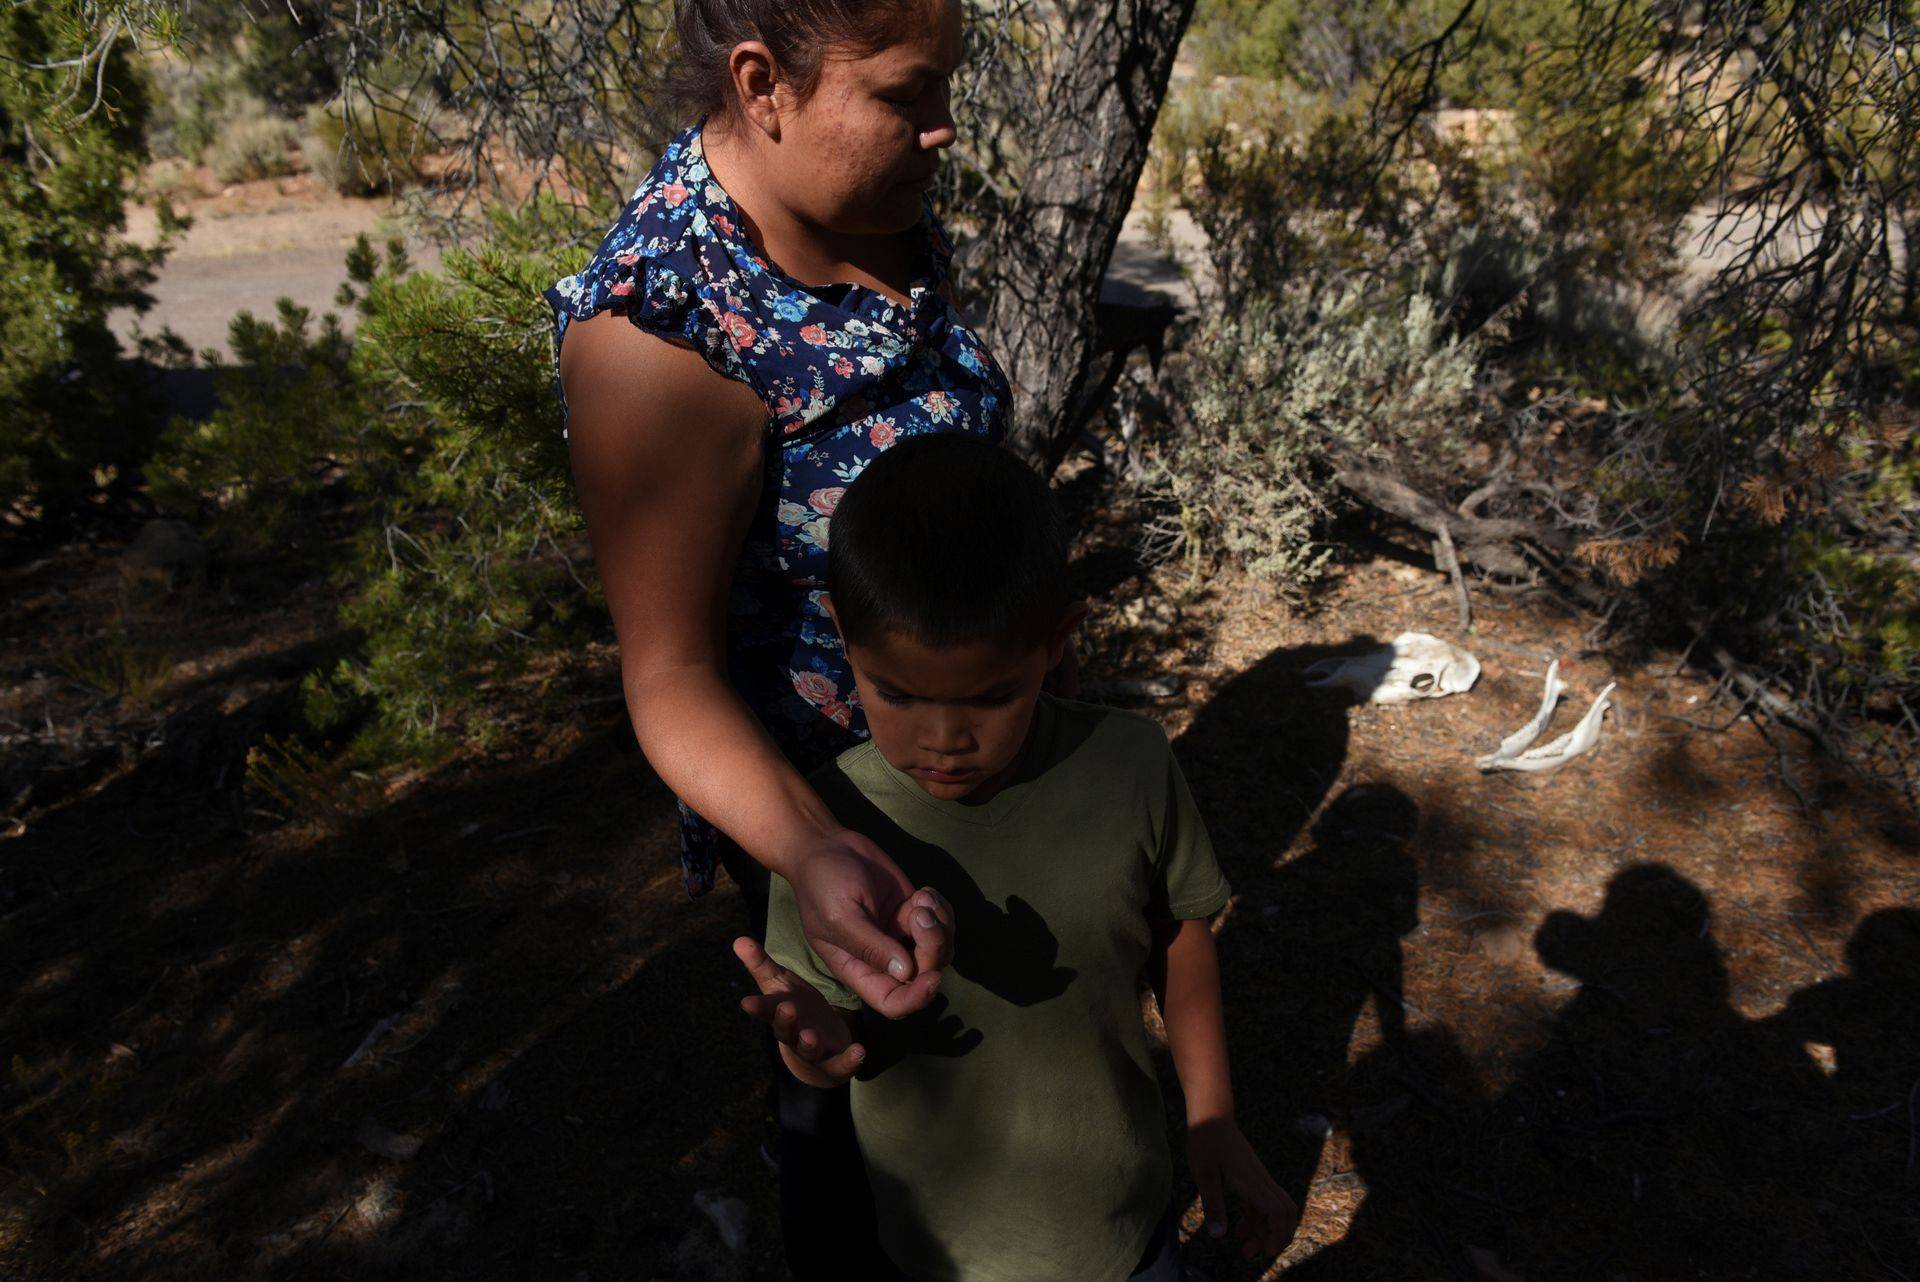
865,146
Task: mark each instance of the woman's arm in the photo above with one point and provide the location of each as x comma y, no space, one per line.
667,462
1185,971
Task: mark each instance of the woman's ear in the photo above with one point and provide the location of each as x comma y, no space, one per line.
1076,614
756,82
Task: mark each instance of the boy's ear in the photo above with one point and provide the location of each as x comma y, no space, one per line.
826,601
1076,614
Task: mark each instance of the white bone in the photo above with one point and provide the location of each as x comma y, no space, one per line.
1413,666
1517,742
1574,743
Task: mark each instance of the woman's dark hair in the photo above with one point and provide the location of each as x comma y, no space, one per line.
950,540
799,32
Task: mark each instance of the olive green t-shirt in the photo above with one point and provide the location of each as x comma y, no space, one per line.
1013,1130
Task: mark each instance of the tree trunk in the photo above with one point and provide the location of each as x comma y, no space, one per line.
1110,76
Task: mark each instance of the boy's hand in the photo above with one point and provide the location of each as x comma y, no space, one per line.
1222,1161
807,1027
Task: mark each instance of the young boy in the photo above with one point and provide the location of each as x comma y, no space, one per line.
1013,1130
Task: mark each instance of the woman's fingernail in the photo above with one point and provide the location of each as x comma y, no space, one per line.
898,969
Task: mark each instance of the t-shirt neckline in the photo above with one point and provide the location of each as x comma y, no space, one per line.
924,258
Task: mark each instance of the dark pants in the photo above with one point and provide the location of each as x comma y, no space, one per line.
826,1205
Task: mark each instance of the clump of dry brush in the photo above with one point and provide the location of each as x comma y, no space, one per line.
1645,341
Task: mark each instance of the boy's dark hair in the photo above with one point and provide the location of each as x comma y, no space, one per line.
798,32
949,539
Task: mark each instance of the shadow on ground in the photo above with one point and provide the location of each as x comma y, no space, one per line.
475,1032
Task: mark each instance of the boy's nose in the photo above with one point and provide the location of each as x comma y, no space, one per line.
950,735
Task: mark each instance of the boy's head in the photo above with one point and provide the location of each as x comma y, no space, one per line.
947,577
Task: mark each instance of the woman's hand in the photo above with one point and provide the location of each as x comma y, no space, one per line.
876,933
814,1038
1223,1162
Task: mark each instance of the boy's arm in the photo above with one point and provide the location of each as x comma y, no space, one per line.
1185,972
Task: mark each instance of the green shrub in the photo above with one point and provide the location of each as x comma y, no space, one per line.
69,418
1280,394
252,143
292,425
1340,49
466,571
434,435
374,148
190,103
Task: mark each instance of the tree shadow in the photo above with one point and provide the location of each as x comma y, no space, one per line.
1654,1132
473,1032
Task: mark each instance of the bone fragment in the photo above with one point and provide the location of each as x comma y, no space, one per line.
1576,742
1522,739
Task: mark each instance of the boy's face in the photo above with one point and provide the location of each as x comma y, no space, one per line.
954,718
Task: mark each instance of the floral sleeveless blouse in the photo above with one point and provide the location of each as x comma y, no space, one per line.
844,372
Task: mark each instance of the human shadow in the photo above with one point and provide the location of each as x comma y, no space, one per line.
1315,934
1654,1132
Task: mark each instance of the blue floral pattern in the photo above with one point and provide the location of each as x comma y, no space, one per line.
844,371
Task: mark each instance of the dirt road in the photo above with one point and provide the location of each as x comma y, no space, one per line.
251,245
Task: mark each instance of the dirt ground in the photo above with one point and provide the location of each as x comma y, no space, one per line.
249,245
1650,1019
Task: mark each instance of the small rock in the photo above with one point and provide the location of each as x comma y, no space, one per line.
1313,1126
1503,944
167,553
1142,688
376,1138
378,1205
729,1216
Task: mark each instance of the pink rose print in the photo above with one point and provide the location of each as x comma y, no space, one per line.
627,260
787,406
838,713
815,688
622,289
881,434
842,366
815,334
940,406
738,330
675,193
824,501
725,226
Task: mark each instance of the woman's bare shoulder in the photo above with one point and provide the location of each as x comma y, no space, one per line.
619,378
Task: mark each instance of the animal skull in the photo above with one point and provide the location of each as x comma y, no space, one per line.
1413,666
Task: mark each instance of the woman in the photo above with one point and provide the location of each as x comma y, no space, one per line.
770,311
